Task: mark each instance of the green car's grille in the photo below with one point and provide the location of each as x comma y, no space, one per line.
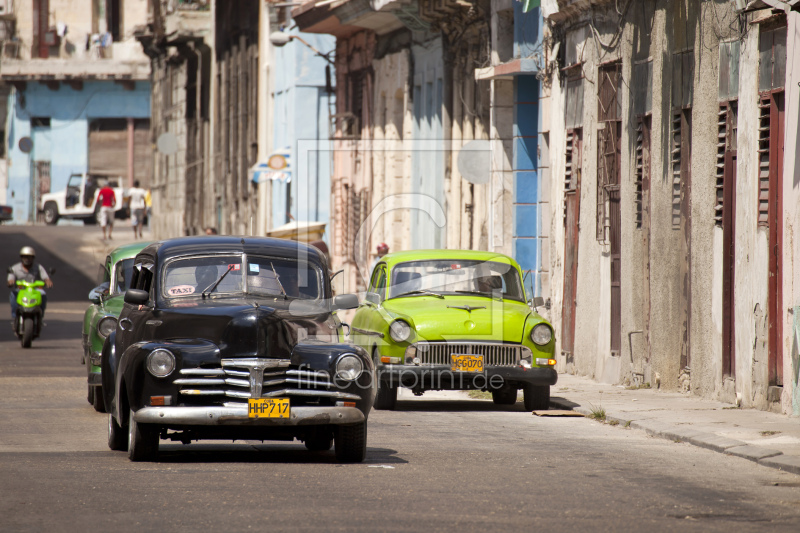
438,353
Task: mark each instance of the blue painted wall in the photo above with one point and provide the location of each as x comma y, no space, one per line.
66,144
301,115
527,228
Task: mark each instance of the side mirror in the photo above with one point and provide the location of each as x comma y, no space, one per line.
136,297
345,301
537,301
373,298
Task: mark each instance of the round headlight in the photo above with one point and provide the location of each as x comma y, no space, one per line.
399,331
160,363
349,368
106,326
541,334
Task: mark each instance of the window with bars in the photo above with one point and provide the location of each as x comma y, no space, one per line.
727,120
572,169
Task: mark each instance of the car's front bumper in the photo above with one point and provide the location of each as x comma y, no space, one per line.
442,377
238,416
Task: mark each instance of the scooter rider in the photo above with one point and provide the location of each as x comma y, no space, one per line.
27,270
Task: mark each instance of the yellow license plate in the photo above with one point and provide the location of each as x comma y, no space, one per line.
268,408
466,363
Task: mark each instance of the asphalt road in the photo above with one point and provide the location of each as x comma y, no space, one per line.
440,462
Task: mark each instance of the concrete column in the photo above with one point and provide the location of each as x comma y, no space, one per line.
130,152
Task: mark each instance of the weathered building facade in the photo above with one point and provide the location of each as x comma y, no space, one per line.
666,142
78,98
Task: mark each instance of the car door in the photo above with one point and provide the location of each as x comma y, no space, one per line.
74,190
368,322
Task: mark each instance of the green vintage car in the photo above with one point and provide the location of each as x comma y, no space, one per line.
455,320
100,318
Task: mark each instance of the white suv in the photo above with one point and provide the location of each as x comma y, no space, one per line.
79,199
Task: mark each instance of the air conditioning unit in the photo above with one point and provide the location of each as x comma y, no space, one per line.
6,7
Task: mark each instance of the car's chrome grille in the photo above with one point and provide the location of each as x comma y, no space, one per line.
438,353
258,378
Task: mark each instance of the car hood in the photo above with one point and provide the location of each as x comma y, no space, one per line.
247,329
462,317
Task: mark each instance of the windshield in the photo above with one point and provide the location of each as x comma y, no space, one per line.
123,271
272,277
453,276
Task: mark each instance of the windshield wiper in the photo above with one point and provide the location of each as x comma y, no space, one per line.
421,291
213,286
283,291
479,293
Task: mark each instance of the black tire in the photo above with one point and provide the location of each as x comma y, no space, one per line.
50,213
351,443
537,397
27,332
320,440
505,396
117,436
97,400
142,440
386,396
90,394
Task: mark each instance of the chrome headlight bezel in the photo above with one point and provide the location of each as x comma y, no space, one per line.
400,330
106,325
160,362
349,367
541,334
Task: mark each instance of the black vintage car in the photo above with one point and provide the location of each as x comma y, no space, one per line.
234,338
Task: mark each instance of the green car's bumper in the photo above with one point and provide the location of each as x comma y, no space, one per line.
441,377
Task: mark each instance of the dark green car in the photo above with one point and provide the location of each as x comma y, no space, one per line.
100,318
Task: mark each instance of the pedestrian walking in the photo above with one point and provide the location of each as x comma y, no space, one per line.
108,201
138,207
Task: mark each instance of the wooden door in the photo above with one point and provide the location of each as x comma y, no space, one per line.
572,207
729,266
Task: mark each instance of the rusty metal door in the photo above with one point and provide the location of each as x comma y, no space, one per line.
572,207
774,298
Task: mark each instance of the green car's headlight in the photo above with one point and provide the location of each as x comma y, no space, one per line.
106,326
349,367
160,363
541,334
400,331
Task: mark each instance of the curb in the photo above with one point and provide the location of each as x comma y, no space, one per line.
764,456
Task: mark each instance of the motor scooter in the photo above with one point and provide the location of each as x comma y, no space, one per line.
28,320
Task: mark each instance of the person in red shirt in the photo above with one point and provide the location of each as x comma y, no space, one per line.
108,200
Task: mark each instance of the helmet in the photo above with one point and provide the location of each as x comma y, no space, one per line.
27,250
383,248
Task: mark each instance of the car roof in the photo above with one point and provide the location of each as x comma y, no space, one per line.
127,251
395,258
233,244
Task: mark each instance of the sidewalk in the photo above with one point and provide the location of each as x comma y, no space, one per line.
767,438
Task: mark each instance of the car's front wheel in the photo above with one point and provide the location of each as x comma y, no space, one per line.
537,397
386,396
97,400
142,440
50,213
351,443
117,439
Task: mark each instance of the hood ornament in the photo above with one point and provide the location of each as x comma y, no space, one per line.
466,308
